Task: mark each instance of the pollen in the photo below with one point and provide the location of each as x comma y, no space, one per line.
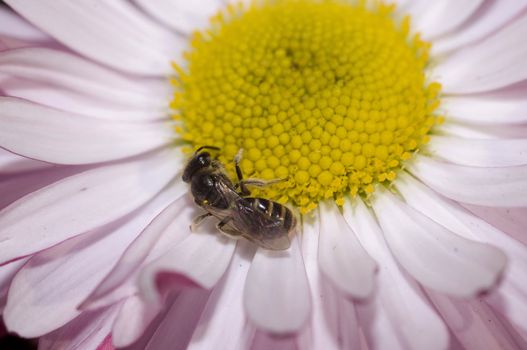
329,96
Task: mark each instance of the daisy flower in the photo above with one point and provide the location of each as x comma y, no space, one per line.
398,131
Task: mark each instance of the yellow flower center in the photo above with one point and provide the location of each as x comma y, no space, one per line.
329,96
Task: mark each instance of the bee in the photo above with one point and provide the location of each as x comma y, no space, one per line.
259,220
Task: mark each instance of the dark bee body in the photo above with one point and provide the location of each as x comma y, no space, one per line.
266,219
257,219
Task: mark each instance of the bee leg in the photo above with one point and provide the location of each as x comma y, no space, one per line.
241,184
197,220
228,230
261,183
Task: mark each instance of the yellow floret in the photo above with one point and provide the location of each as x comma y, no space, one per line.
329,96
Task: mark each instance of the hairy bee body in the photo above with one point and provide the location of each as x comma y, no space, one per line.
260,220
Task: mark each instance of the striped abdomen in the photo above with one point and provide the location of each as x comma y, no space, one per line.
275,213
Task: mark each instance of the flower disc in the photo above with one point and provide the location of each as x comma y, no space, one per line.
329,96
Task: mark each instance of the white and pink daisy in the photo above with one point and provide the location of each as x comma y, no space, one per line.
407,162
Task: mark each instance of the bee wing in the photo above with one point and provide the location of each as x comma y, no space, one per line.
282,242
258,227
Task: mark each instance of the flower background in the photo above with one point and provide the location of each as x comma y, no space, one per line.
69,269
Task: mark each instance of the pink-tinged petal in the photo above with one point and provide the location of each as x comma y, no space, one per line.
11,163
37,73
333,324
82,202
491,16
181,15
441,17
264,341
14,26
175,330
503,55
148,333
167,230
114,33
15,186
510,298
479,153
7,272
481,131
498,187
106,344
223,320
132,320
399,316
88,331
277,297
484,109
66,138
341,256
45,293
518,334
200,259
473,323
511,221
435,256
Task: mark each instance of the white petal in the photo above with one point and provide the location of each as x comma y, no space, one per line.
441,17
132,319
176,328
45,293
486,109
87,331
498,187
80,103
399,317
435,256
66,138
511,295
201,258
70,71
276,296
82,202
333,323
341,256
473,323
44,75
467,131
479,153
184,16
223,320
113,33
492,64
491,16
168,229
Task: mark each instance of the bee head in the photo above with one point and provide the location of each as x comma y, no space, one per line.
199,161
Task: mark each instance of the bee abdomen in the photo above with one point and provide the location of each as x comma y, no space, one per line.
289,219
274,211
